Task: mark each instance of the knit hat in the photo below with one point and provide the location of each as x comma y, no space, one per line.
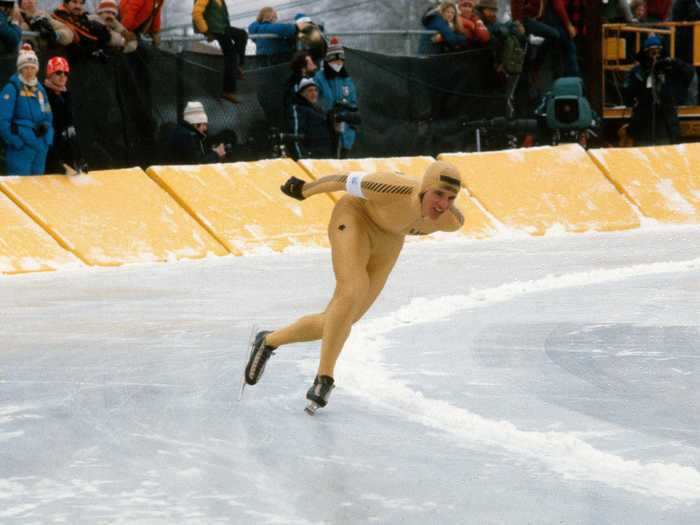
335,50
652,41
194,113
57,64
305,83
27,57
301,18
488,4
441,175
107,6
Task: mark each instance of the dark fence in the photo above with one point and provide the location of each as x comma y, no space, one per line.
408,105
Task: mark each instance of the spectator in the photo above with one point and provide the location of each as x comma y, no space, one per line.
51,30
25,118
303,66
266,23
64,155
210,17
638,8
310,37
686,11
187,143
649,88
506,40
617,11
89,37
122,39
658,10
443,19
10,32
142,17
549,20
471,25
338,95
310,124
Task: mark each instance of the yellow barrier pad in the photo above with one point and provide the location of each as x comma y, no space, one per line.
537,189
476,223
112,217
663,181
25,246
241,203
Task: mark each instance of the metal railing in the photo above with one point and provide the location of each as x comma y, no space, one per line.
387,41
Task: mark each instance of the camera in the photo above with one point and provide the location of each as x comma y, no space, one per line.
346,112
279,140
41,129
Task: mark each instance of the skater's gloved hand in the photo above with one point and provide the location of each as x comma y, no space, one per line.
293,187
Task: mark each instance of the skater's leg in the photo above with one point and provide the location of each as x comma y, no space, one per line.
307,328
378,269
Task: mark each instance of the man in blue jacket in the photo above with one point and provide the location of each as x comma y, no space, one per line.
25,118
266,24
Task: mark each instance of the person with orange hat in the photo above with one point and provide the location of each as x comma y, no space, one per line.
25,118
64,155
366,232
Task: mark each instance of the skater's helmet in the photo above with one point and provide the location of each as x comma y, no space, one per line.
441,175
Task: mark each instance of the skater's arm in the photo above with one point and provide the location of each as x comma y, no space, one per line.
376,187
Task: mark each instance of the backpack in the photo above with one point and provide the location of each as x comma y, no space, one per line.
512,55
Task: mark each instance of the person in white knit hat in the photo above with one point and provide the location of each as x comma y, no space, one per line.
25,118
188,141
122,39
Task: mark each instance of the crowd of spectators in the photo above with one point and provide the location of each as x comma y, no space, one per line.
320,97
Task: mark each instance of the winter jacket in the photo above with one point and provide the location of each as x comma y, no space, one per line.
284,44
25,126
450,39
210,16
187,146
658,9
65,148
49,28
87,33
475,30
671,74
311,122
10,34
141,16
337,88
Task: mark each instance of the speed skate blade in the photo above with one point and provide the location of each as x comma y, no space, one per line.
251,337
311,408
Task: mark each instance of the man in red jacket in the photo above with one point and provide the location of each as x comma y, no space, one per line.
142,17
549,20
658,10
472,26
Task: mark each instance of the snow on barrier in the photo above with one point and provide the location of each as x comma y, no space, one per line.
25,246
242,206
107,218
663,181
476,223
538,189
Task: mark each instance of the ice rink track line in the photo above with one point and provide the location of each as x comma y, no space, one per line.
564,453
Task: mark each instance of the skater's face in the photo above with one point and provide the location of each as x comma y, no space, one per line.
436,202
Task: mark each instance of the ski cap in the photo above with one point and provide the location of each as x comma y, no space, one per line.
441,175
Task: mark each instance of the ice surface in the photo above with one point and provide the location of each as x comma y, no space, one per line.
543,380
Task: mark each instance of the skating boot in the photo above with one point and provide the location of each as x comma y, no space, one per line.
319,393
259,354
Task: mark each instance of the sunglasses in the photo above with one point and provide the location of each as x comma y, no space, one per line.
61,73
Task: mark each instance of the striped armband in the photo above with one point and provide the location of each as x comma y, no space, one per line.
353,185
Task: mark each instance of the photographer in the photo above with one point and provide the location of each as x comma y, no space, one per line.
25,118
308,121
338,95
649,88
187,143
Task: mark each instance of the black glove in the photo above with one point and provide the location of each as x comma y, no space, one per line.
293,187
